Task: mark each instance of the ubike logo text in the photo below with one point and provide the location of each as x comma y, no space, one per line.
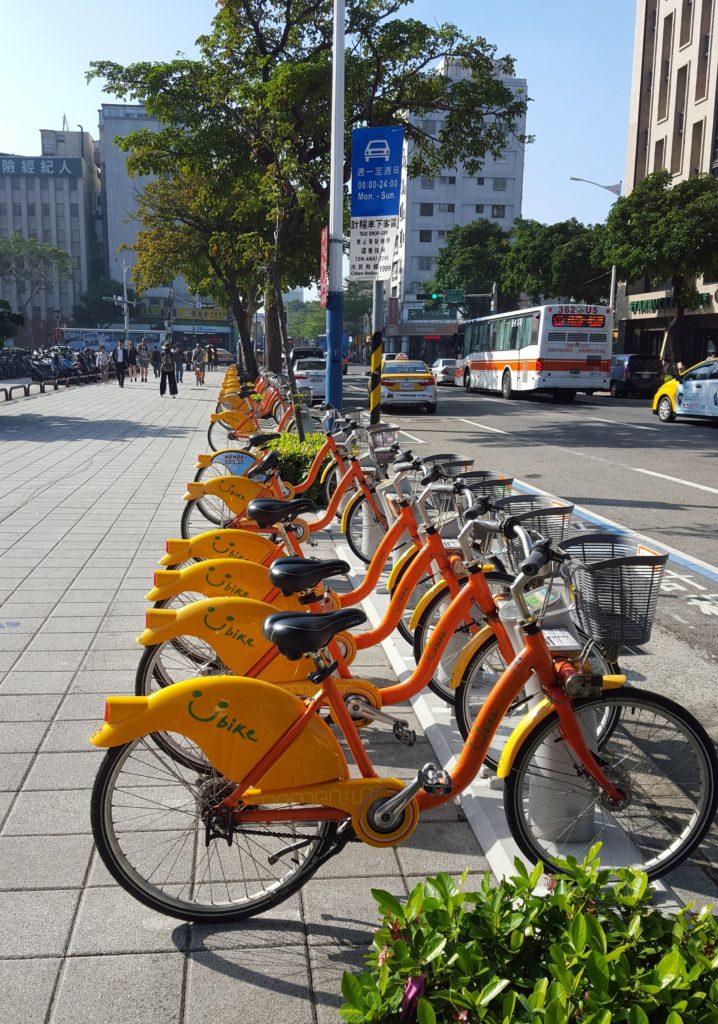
225,628
231,725
224,584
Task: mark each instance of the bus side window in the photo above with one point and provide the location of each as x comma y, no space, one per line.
525,333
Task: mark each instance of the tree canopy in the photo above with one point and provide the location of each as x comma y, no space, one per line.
669,234
472,259
560,261
10,323
32,265
255,107
93,309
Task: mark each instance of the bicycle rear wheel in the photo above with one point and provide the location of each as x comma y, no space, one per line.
657,754
148,819
361,542
201,514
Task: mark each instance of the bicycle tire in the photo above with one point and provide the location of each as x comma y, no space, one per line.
354,528
658,840
427,581
210,471
331,482
439,682
194,519
475,685
217,435
217,886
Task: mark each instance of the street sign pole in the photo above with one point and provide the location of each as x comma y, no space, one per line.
335,295
377,347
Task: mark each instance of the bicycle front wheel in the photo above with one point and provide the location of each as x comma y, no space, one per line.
148,817
657,754
364,531
201,514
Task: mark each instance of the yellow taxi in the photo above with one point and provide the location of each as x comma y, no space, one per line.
406,381
694,393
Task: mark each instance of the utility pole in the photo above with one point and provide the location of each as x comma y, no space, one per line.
335,296
124,301
170,313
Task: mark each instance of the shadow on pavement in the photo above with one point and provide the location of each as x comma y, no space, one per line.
36,427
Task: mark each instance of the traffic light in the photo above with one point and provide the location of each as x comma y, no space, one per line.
437,296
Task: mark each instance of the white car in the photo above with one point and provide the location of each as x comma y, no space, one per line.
312,373
443,371
407,382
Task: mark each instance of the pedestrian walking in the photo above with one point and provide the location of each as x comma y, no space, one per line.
198,364
102,361
132,360
155,359
211,365
167,371
143,360
179,362
119,355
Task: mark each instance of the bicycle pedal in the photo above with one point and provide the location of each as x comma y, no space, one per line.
434,780
404,734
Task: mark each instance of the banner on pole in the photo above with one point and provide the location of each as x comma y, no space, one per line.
376,171
371,248
324,268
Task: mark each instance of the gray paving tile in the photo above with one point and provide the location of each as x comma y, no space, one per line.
133,989
53,862
342,910
432,849
34,815
12,769
37,922
67,770
69,736
19,736
60,622
110,921
36,682
23,709
62,641
18,978
88,706
328,964
51,661
271,986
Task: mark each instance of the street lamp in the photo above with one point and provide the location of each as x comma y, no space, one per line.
616,190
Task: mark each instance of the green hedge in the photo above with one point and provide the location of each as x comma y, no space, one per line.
585,952
295,460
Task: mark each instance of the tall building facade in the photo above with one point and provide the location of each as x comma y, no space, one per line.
55,198
430,208
673,125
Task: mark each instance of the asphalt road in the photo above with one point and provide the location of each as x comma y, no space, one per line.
610,456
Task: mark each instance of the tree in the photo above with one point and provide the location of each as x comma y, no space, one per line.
669,234
32,265
358,303
93,309
305,320
257,98
10,323
562,260
472,260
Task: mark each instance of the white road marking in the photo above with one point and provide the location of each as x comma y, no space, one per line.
616,423
482,426
412,436
675,479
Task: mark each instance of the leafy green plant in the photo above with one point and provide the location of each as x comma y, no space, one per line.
584,952
295,460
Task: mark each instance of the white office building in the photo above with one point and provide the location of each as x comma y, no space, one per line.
53,197
430,208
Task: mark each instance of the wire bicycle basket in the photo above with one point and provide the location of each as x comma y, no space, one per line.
540,513
380,439
485,483
616,585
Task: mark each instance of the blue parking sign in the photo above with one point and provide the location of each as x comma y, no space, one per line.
376,171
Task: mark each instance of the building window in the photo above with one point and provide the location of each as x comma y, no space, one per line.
429,126
499,184
15,185
441,234
499,212
46,209
479,208
446,207
425,262
426,209
479,181
73,185
16,210
74,210
427,182
3,210
61,236
31,209
447,179
425,236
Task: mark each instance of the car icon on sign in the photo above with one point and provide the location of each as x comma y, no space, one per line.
377,149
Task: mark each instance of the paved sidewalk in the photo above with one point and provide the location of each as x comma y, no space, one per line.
92,486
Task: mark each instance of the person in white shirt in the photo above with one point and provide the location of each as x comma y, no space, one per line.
119,354
102,361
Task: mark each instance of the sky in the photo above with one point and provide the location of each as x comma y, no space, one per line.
576,56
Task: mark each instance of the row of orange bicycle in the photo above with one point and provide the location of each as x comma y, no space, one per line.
242,763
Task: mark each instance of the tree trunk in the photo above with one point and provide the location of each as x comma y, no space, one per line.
277,288
245,335
272,339
675,327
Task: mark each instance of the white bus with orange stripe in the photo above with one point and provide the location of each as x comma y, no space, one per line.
560,349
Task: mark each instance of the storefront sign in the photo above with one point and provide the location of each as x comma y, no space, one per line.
44,166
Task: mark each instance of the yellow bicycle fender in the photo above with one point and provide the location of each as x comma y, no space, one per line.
240,544
232,626
529,722
220,577
473,644
327,469
232,490
357,496
399,566
235,721
425,600
203,461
